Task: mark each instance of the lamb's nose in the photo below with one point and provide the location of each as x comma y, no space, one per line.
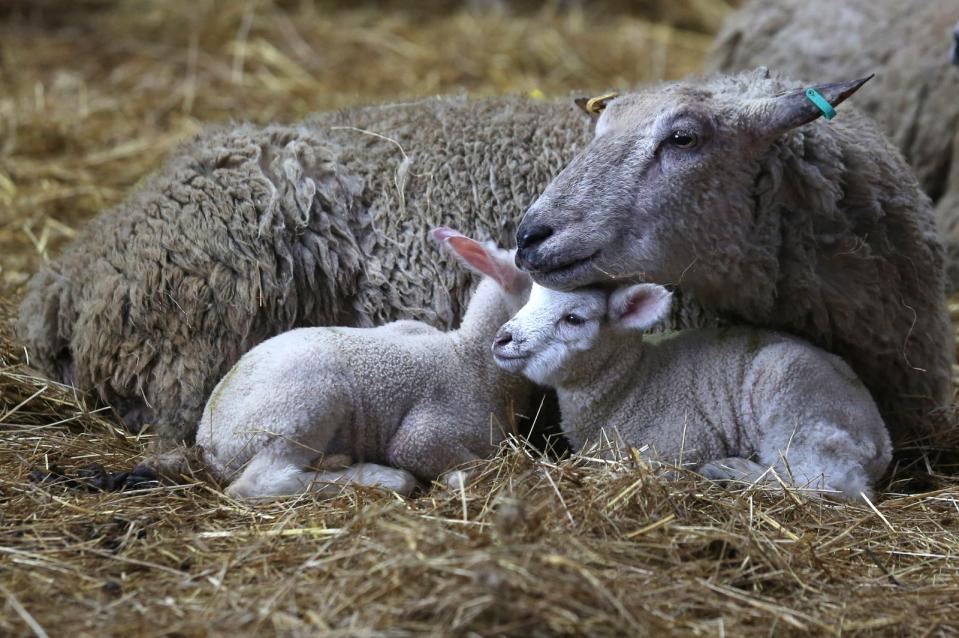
531,236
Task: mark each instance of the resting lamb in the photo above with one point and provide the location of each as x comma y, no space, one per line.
714,398
313,408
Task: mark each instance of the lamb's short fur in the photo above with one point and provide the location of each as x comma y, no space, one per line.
248,232
714,398
726,187
915,96
377,406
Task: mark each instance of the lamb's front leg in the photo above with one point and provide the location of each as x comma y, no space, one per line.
270,475
431,444
822,459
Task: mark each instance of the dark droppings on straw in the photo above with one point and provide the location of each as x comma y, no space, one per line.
96,478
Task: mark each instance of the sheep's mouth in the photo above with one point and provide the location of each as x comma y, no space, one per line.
569,275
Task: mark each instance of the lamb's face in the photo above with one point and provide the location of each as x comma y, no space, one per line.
665,190
541,339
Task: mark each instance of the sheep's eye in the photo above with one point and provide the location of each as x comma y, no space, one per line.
574,320
682,139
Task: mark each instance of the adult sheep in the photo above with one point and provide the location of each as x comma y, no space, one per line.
915,97
727,187
248,232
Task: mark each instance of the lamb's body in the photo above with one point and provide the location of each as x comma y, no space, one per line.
248,232
718,397
371,405
704,396
913,97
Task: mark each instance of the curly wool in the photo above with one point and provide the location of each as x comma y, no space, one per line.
914,96
248,232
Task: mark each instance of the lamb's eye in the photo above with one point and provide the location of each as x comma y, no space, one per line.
683,139
573,320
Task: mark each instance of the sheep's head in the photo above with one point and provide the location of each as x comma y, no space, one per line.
666,182
541,341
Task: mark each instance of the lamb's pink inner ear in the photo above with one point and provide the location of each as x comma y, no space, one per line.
479,258
639,307
474,255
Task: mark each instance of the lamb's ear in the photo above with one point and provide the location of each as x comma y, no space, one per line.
593,106
484,259
776,115
639,307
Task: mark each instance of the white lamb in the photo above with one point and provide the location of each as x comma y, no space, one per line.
316,408
715,398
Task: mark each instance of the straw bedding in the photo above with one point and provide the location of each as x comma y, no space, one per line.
90,102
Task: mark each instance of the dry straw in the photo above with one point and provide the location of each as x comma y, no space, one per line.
91,101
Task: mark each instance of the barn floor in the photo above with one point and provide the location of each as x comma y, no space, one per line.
93,96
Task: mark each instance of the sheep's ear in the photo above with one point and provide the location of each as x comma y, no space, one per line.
639,307
779,114
483,259
593,106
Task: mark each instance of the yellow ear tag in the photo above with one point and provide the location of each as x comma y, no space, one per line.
595,105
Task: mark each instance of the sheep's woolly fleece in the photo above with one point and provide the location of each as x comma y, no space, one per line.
248,232
906,44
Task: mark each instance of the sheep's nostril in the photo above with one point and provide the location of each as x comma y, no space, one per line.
503,340
531,236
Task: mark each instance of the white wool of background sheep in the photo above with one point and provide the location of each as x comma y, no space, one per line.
713,398
730,188
914,97
314,408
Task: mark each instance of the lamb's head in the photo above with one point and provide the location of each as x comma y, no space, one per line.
547,338
667,181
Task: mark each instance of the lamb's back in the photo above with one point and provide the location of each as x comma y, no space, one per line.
689,392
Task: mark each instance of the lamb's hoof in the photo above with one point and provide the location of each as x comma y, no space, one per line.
383,477
734,470
405,486
457,480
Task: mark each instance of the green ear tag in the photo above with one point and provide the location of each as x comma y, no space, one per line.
816,98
